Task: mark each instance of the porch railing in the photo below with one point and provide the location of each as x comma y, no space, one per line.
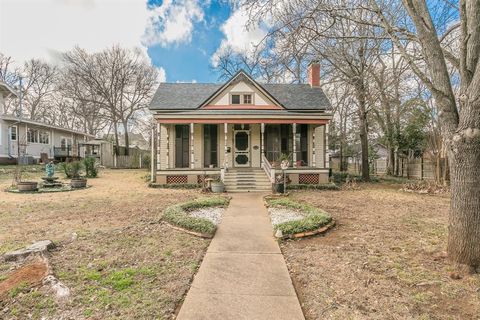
267,167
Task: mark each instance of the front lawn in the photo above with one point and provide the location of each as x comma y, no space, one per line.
113,252
384,260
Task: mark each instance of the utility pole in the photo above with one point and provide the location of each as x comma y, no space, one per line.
20,119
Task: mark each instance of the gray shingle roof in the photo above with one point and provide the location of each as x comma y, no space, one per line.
189,96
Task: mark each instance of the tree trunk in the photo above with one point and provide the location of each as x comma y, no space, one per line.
342,166
391,161
360,93
127,141
464,222
362,115
117,146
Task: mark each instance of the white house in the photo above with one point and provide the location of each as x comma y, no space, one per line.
242,129
35,140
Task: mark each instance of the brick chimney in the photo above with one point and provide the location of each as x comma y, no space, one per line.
314,74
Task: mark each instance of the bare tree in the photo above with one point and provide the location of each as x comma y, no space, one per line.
39,81
459,119
119,81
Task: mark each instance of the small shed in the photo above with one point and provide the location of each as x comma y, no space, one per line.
100,149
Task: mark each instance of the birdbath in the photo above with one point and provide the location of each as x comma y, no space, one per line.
49,181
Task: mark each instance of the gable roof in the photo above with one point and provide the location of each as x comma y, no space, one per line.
241,76
17,120
190,96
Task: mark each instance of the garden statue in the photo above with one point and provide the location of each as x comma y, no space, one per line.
50,169
49,181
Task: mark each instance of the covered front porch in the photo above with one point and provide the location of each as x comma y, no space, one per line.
188,151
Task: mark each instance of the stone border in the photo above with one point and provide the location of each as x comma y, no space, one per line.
46,190
300,235
198,234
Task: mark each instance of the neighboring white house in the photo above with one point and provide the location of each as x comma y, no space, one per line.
36,140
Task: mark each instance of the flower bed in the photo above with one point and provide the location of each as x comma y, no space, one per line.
180,217
306,220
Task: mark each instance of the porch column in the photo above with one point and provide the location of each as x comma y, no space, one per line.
262,143
294,133
192,157
167,154
159,141
327,152
225,131
153,162
313,145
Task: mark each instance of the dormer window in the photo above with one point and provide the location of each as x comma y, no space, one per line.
241,98
235,99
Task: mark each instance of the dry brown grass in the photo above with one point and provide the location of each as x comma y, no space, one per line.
384,260
123,264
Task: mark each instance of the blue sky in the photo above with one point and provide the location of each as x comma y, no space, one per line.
190,61
180,37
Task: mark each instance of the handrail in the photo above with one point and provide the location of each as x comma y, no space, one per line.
267,167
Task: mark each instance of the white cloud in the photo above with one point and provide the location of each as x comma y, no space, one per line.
42,28
162,75
238,37
173,22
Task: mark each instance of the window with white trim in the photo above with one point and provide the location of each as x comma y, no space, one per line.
32,135
13,133
235,99
247,99
44,137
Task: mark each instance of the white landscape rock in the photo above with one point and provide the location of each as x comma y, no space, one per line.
61,291
213,214
281,215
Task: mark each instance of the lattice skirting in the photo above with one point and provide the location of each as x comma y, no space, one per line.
177,179
308,178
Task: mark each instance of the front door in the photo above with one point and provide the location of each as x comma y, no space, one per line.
241,148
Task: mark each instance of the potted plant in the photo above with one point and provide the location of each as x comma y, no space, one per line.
26,186
279,185
217,186
75,169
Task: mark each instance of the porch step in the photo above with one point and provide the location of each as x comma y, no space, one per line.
247,180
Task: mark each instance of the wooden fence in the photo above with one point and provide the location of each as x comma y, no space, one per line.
414,168
136,160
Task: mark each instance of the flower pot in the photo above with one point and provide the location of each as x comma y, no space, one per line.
78,183
26,186
279,188
218,187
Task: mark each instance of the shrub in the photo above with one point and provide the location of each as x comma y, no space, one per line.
325,186
178,214
72,169
205,203
309,223
342,177
91,168
314,218
174,185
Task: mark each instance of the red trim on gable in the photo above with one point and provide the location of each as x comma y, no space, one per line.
242,107
245,121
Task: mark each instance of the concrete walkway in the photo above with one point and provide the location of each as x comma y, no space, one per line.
243,274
